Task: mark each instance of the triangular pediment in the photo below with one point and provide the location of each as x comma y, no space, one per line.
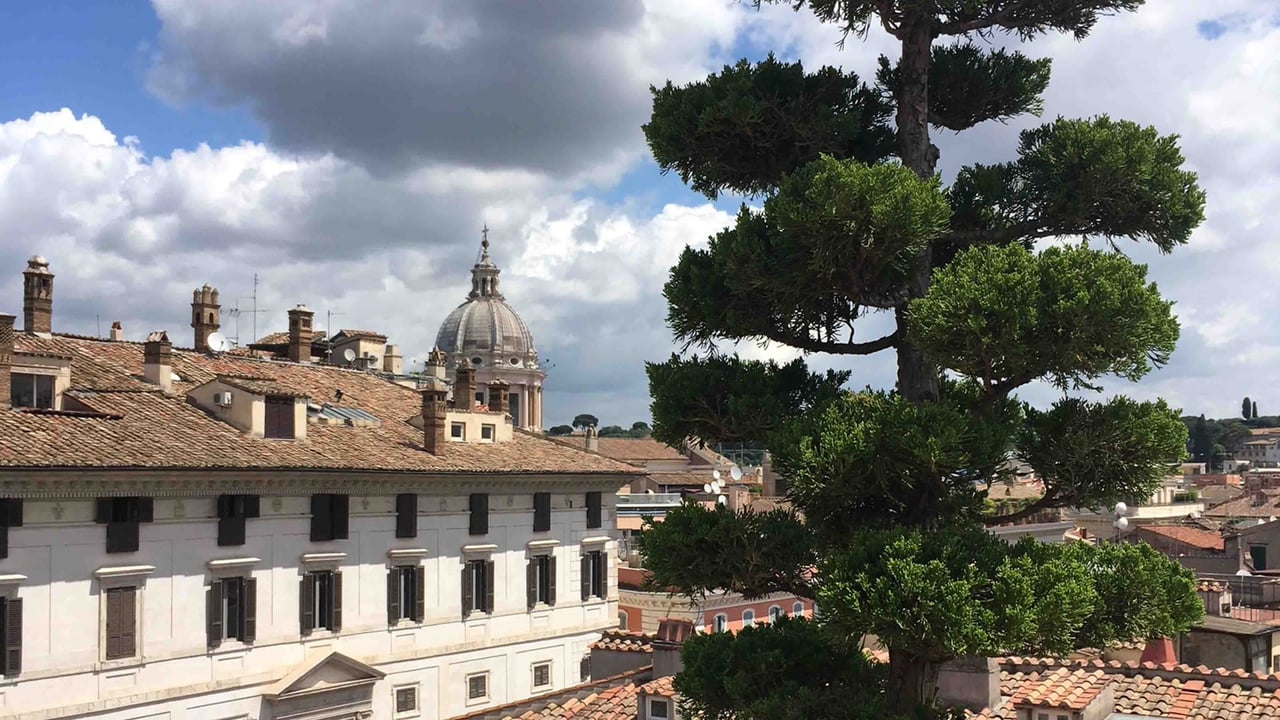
331,672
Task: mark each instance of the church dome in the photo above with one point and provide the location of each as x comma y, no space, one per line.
484,330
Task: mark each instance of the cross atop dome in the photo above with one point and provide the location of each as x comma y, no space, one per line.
484,275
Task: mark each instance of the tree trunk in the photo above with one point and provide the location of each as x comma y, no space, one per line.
917,375
913,682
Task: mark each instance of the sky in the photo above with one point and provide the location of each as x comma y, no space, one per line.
348,154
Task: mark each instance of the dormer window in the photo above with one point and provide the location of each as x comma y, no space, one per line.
278,421
31,391
659,708
487,432
458,431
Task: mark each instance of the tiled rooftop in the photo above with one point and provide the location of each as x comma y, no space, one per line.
615,698
1195,537
629,449
1259,504
155,430
623,641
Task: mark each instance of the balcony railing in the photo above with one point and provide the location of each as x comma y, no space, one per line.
648,500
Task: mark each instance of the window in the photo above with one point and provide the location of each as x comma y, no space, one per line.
487,432
595,571
406,699
10,517
121,622
232,511
542,675
479,504
513,407
584,668
231,610
797,609
593,509
541,576
10,636
406,594
32,391
329,514
775,612
1258,553
477,587
478,686
720,623
407,515
624,621
748,618
659,708
541,512
122,515
1042,716
321,601
458,431
278,418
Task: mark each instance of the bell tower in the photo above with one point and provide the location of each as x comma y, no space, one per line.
206,316
37,297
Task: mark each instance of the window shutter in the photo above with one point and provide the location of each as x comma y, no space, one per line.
122,536
4,541
12,609
12,513
419,594
341,505
468,596
586,576
602,574
531,582
113,624
593,509
249,606
407,515
224,506
252,505
336,621
489,586
321,519
393,596
128,622
230,531
102,514
213,613
307,603
541,512
551,580
146,509
479,514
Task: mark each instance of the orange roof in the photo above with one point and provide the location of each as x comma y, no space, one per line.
1259,503
1195,537
135,425
1061,689
614,698
628,449
623,641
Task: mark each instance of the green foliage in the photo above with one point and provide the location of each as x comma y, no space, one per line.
1142,594
969,85
612,431
1187,496
641,427
745,128
726,398
1246,408
560,430
1228,435
1253,413
1026,19
585,420
1005,316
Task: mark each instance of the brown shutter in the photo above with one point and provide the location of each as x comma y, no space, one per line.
321,519
593,509
531,581
541,512
340,510
489,586
602,577
307,603
12,609
586,576
393,595
128,622
213,613
468,596
336,621
419,594
551,580
113,624
249,606
407,515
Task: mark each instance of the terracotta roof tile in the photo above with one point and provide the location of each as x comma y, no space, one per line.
628,449
623,641
615,698
1195,537
1260,503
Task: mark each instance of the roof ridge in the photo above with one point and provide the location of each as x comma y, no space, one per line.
1167,671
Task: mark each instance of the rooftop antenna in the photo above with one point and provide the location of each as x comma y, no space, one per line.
328,333
235,312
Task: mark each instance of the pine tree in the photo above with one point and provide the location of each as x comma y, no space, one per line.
1246,408
1253,412
890,487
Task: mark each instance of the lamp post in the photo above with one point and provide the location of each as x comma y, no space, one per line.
1121,523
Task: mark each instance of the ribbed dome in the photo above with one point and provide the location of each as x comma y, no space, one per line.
485,330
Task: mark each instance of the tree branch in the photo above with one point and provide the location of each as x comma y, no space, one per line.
1000,17
1047,501
803,342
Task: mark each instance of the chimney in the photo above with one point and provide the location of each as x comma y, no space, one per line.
206,316
37,297
433,420
6,359
157,360
392,360
498,399
971,682
300,334
593,441
117,331
464,388
435,364
672,632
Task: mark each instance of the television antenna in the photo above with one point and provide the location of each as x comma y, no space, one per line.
217,342
236,312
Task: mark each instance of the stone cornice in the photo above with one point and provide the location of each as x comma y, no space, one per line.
97,482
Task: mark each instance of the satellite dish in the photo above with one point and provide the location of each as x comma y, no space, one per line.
722,500
218,342
715,474
349,355
706,489
371,361
715,486
735,472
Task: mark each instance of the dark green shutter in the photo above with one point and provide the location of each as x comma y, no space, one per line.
321,519
419,594
145,509
12,516
593,509
249,606
489,585
551,580
407,515
586,576
468,596
335,623
479,514
102,512
531,582
340,510
307,603
252,506
11,609
393,596
213,613
541,512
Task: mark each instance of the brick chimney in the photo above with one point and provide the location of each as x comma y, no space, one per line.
433,420
157,360
206,316
37,296
300,334
498,400
435,364
672,633
593,440
464,388
6,359
117,331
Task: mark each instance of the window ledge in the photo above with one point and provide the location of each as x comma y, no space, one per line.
12,579
479,549
322,557
231,563
119,572
542,544
406,553
595,540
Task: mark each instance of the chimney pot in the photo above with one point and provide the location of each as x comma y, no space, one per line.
433,420
498,400
37,297
117,331
6,360
392,360
593,440
300,334
464,387
157,360
672,632
435,363
970,681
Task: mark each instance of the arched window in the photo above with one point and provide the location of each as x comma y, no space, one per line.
798,609
622,621
748,618
721,623
775,612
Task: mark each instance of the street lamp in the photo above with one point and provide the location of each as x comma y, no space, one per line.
1121,523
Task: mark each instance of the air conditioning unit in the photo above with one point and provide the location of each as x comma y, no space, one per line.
222,399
